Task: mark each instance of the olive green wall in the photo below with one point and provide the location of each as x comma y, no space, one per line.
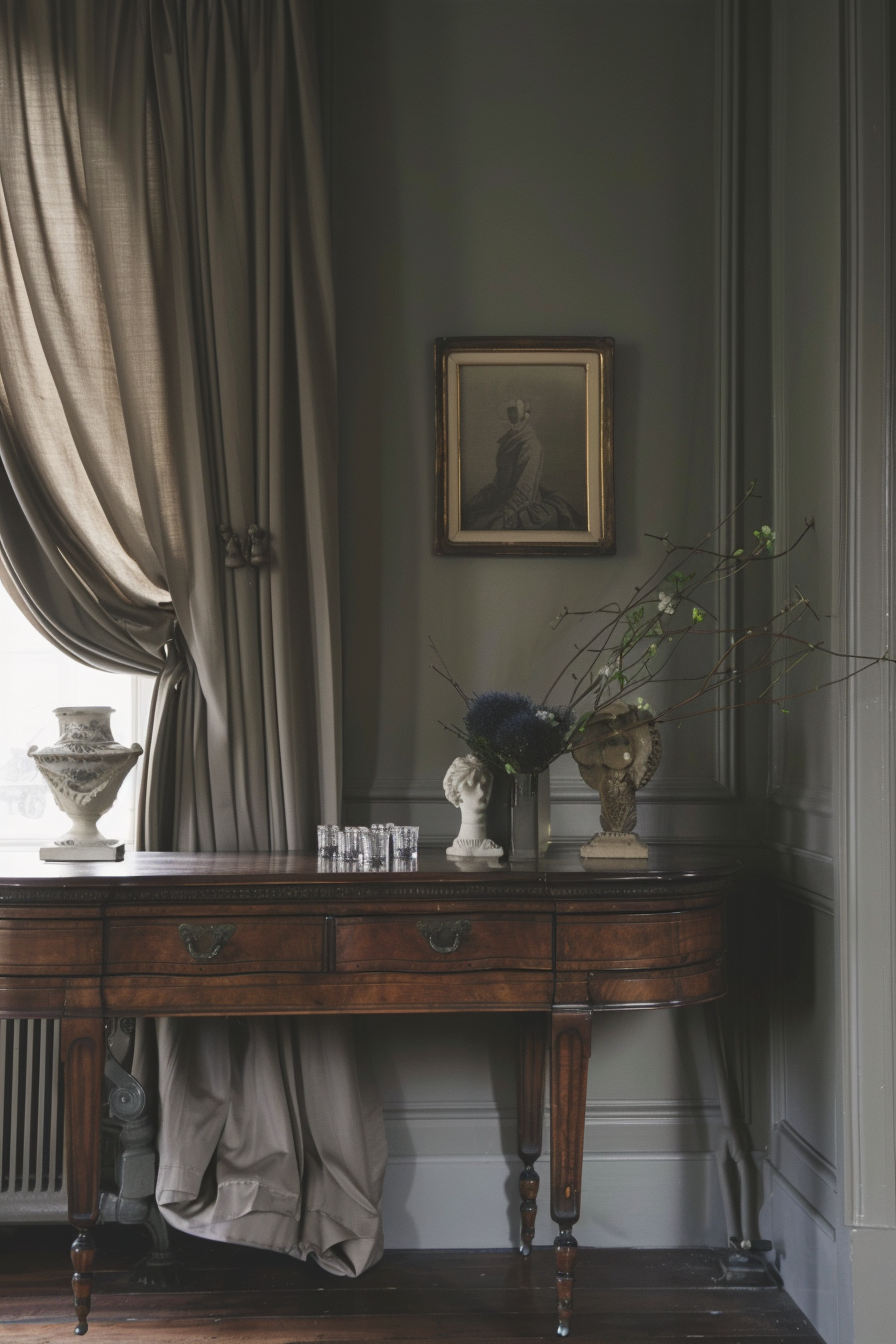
529,167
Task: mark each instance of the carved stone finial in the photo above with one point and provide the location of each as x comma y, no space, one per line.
617,755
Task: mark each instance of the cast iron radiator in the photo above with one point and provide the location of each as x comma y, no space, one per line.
32,1179
32,1124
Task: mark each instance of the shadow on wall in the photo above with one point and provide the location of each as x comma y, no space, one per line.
386,426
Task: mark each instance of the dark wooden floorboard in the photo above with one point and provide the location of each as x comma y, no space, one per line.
232,1295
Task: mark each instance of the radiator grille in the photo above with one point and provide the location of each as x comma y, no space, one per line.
31,1119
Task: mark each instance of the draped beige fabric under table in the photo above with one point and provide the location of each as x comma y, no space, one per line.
271,1134
167,368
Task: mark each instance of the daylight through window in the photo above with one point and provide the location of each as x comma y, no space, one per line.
35,679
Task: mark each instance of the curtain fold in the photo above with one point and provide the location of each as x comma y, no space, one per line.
167,367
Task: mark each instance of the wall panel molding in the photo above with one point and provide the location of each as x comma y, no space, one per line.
810,1260
806,1171
668,789
868,861
729,324
808,893
802,830
723,784
817,800
823,1224
777,232
673,809
622,1126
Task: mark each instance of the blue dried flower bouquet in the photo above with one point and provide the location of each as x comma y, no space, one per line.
518,738
510,733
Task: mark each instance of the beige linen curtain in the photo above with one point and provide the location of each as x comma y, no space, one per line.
166,367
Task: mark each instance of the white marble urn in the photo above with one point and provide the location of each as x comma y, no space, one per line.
84,769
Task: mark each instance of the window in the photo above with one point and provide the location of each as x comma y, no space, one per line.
35,678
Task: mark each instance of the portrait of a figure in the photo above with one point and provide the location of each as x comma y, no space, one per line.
515,498
524,431
524,446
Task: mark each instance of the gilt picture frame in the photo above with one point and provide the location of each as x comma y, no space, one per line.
524,446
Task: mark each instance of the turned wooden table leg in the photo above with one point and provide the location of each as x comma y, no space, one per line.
84,1058
570,1051
530,1117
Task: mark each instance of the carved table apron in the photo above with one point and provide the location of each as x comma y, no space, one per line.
207,934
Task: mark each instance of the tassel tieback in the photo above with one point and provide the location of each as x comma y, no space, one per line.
238,552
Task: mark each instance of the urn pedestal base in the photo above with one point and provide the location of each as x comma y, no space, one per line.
111,851
621,846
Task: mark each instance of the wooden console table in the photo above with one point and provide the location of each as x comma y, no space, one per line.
218,934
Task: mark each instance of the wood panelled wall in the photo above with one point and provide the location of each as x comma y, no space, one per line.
530,168
708,182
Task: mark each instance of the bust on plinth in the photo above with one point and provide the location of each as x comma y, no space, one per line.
468,786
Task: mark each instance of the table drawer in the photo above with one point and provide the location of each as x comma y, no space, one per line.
227,946
641,941
666,987
67,946
469,942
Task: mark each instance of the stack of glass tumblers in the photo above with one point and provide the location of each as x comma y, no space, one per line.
378,846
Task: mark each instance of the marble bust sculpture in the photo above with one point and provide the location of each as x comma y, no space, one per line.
468,785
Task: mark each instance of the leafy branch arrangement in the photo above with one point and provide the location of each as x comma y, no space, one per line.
631,645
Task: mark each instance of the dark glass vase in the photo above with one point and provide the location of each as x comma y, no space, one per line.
530,816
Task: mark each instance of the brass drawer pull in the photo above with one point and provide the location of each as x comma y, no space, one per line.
445,938
204,941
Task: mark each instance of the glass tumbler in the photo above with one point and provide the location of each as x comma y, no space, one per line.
327,841
378,841
351,843
404,841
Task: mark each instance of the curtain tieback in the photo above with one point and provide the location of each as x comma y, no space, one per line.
237,552
258,545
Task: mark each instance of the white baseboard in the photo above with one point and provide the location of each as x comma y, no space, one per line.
631,1199
806,1247
873,1258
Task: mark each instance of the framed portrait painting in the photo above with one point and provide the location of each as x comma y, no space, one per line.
524,459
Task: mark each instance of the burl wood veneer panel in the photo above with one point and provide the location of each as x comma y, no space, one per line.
640,940
219,995
156,947
483,942
663,988
69,946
